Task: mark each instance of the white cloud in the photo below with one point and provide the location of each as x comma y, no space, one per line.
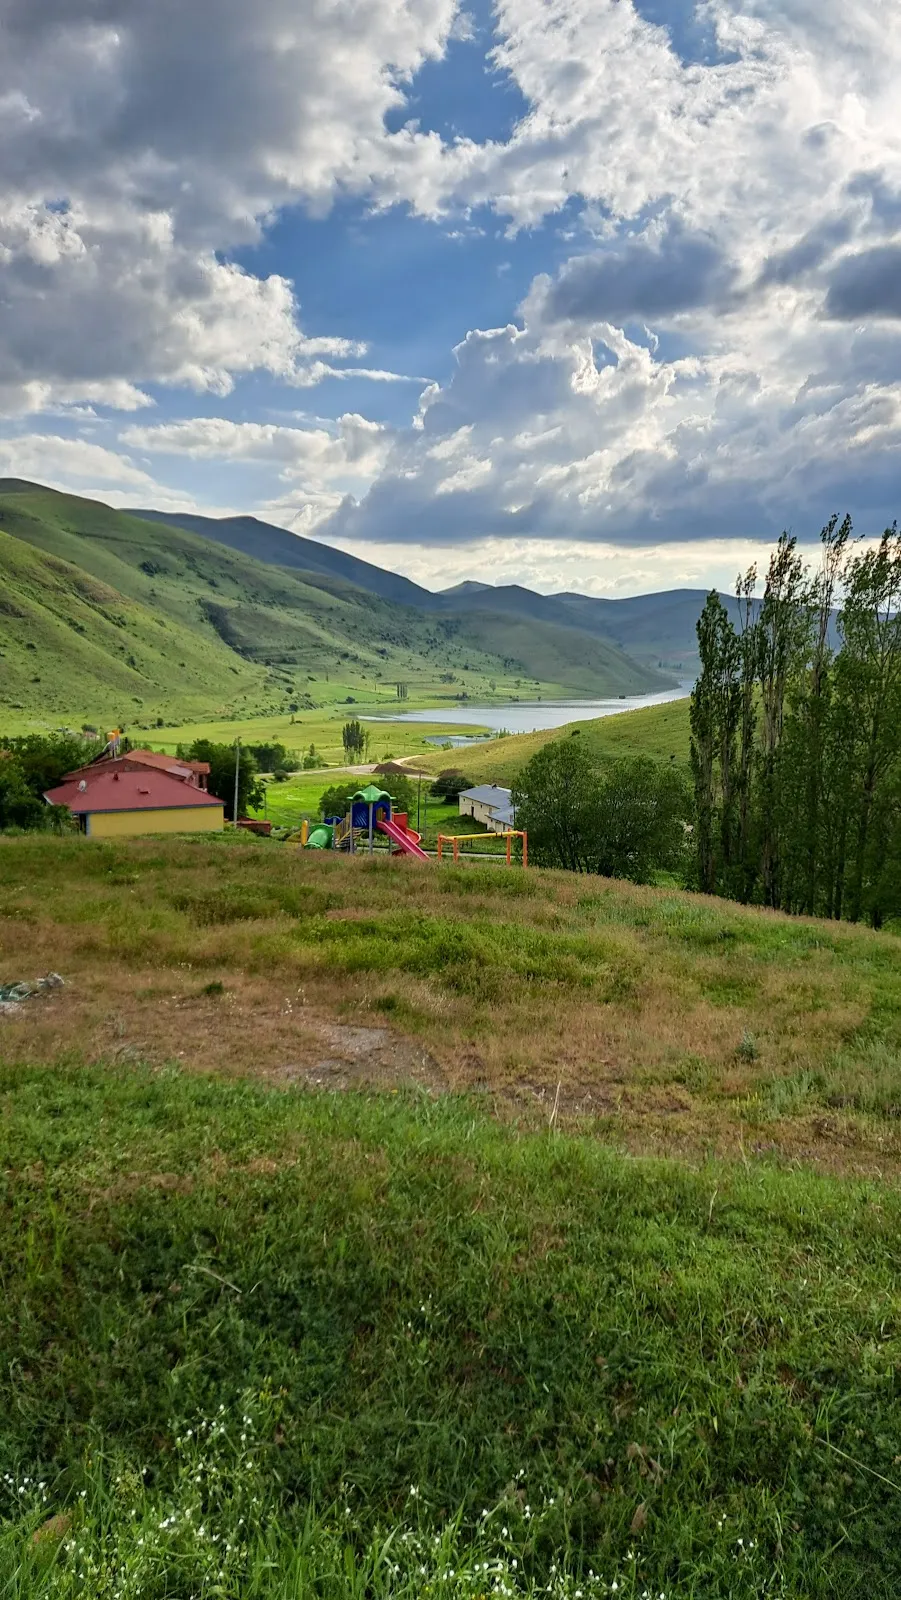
550,567
68,463
557,437
731,193
742,198
319,465
139,141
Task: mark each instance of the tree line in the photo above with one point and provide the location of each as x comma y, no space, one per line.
622,819
30,765
796,733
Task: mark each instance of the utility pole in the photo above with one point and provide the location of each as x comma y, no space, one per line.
418,801
237,777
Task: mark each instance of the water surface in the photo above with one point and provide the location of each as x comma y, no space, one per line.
531,716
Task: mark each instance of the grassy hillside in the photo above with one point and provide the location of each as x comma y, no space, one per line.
263,635
556,654
636,1332
265,542
108,617
72,647
659,630
658,731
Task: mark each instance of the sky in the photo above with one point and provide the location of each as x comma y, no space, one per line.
595,294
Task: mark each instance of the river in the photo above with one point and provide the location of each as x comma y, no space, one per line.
529,716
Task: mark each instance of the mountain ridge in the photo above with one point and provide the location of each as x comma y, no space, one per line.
113,616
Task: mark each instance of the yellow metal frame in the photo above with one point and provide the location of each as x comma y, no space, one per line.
456,839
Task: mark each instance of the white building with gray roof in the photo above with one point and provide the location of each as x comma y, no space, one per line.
489,804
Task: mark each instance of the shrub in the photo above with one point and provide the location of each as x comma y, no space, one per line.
451,784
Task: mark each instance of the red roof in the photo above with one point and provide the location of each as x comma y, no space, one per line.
145,758
155,758
101,790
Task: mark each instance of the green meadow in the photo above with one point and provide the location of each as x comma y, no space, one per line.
386,1230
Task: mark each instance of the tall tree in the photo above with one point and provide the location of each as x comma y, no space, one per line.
782,628
353,738
812,792
714,715
869,680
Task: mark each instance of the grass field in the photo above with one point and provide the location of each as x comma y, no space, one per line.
376,1229
661,732
321,727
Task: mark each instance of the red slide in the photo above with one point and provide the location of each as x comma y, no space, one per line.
404,838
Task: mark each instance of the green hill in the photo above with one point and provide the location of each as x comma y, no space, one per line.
108,616
381,1231
276,546
658,731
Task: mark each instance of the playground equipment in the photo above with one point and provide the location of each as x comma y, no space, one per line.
406,839
371,812
456,839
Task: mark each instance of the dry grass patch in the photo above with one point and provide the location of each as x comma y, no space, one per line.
670,1020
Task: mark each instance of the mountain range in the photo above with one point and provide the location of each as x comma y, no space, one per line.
655,629
141,616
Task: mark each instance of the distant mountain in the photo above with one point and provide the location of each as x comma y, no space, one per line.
467,587
276,546
655,629
105,615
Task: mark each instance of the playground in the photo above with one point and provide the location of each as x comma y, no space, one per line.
372,823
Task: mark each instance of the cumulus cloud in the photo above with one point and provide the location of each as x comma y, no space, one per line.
745,205
68,463
743,201
140,142
317,466
552,438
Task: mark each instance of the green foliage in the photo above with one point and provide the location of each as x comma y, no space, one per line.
19,806
335,801
623,819
796,746
31,765
273,755
221,782
354,739
402,792
450,784
224,1365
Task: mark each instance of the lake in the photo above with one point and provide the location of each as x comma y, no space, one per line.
530,716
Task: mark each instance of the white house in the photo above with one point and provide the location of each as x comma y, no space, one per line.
489,804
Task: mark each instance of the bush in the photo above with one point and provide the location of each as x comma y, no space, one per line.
451,784
221,759
335,802
268,756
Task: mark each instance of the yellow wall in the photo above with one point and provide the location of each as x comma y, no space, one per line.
179,819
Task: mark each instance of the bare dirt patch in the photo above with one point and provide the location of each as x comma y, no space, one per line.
361,1057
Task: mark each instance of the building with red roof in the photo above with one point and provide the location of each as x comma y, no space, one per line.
121,797
135,760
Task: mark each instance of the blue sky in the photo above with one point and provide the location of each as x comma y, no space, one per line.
578,293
